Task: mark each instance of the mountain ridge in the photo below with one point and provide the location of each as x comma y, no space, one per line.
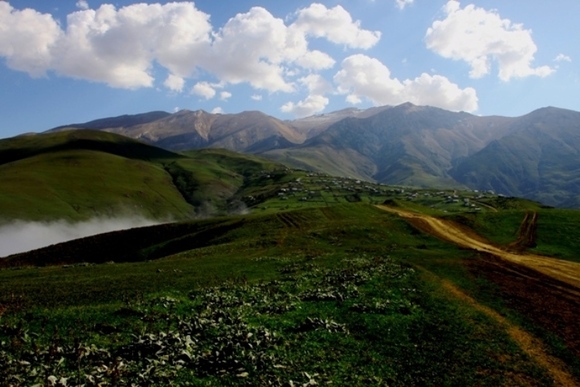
404,144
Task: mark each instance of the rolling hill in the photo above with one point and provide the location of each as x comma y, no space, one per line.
407,286
250,299
77,175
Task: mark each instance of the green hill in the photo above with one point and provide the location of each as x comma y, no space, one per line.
312,283
77,175
261,298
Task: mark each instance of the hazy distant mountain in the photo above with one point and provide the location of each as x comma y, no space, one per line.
199,129
534,156
406,144
538,159
123,121
314,125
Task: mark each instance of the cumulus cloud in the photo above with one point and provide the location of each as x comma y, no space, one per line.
122,46
82,4
204,89
217,110
562,58
363,77
225,95
24,236
336,25
316,84
307,107
315,102
403,3
174,83
478,37
28,39
118,46
256,97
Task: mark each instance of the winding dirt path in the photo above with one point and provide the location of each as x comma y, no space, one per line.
531,345
565,271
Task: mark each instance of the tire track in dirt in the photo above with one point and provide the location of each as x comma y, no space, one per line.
527,233
531,345
560,283
565,271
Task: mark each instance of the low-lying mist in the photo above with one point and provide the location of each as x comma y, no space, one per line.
21,236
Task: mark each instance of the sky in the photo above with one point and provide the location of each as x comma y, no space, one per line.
65,62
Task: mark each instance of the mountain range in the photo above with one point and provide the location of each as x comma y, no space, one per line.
536,156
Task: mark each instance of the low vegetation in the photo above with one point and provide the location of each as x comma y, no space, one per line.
309,284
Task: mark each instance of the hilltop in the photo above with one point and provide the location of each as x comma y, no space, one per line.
78,175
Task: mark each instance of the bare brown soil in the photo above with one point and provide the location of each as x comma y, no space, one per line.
527,233
544,289
549,302
564,271
528,343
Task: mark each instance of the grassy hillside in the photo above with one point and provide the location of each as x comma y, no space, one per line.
77,175
264,301
260,298
310,283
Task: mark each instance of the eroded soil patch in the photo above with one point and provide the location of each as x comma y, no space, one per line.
547,301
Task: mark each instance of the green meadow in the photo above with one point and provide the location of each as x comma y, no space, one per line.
271,276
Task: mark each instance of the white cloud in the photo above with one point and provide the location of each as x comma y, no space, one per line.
252,47
315,60
478,36
336,25
21,236
174,83
118,46
403,3
82,4
27,39
122,46
307,107
315,102
316,84
562,58
204,89
437,90
217,110
225,95
362,77
256,97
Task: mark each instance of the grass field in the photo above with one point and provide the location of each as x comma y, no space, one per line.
310,283
346,294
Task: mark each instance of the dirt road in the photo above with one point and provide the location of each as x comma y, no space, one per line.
545,289
565,271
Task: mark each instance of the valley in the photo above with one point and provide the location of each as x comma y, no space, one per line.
534,156
264,267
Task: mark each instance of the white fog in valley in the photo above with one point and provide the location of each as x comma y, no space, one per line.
21,236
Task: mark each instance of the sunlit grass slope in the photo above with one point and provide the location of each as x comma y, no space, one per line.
323,294
76,175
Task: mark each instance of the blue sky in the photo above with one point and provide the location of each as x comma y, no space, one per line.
73,61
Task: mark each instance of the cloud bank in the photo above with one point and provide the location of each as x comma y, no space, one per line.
120,47
151,45
21,236
363,77
480,37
